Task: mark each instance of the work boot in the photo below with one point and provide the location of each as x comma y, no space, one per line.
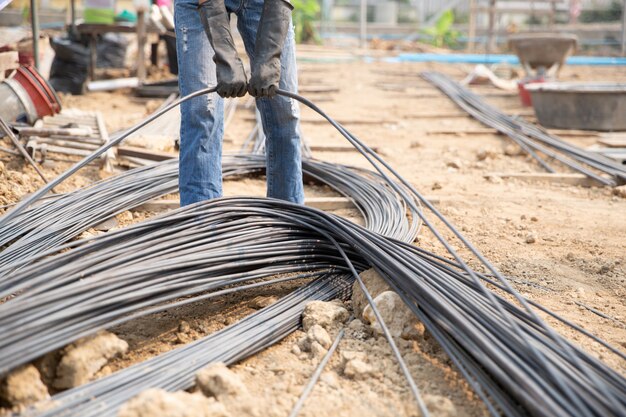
270,40
231,77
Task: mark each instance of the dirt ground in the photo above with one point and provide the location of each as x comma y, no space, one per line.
576,257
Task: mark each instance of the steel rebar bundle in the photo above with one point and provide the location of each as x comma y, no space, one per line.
32,233
141,270
529,137
515,362
175,370
383,210
496,358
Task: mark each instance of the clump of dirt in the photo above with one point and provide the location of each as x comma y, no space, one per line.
82,360
22,387
158,403
362,377
219,382
14,185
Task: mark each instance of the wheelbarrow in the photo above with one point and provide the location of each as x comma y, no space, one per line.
543,53
542,56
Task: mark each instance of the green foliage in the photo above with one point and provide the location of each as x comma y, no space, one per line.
612,13
305,14
442,34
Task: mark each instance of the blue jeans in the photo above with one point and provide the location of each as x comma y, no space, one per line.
202,124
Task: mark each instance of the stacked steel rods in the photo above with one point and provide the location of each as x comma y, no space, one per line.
515,362
232,234
32,232
175,370
533,140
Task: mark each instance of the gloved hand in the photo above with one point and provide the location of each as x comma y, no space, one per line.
270,40
231,77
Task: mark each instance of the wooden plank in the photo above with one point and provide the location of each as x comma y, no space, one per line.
613,142
486,131
478,131
52,131
571,179
321,203
314,120
494,94
350,121
451,115
66,150
329,203
439,115
158,205
336,148
67,143
102,130
573,133
136,152
437,94
310,89
130,162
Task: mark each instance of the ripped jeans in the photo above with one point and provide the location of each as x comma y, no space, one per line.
202,121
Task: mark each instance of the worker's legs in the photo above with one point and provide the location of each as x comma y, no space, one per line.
280,115
202,121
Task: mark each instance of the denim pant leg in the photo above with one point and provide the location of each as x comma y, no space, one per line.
280,115
202,118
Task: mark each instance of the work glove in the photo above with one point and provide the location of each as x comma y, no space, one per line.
270,40
231,77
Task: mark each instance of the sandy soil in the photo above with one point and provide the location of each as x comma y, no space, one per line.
576,262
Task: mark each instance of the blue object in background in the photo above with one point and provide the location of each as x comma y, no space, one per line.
500,59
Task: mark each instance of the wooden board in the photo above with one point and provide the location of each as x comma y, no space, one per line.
336,148
478,131
486,131
321,203
437,94
461,114
329,203
350,121
437,115
320,120
311,89
574,133
571,179
618,142
136,152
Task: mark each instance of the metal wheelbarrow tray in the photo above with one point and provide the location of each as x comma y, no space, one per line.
583,106
543,50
